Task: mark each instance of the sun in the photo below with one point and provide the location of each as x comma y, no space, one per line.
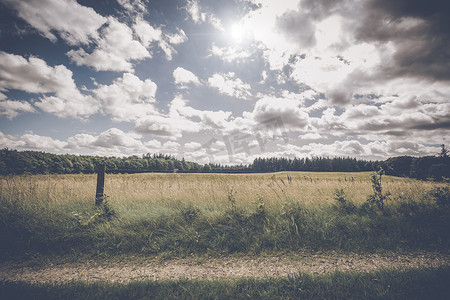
238,32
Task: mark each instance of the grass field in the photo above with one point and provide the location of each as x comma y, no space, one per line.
214,215
209,191
179,214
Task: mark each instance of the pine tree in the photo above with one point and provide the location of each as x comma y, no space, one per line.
444,152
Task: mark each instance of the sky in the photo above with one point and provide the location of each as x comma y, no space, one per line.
225,81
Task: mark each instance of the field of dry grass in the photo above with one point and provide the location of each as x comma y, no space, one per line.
216,213
126,191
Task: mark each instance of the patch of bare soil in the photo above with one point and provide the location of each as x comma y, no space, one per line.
217,268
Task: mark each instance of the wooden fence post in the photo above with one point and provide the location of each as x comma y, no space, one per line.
101,169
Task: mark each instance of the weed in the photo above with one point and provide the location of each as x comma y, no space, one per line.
293,215
344,205
441,195
106,210
260,208
377,197
190,214
103,212
232,200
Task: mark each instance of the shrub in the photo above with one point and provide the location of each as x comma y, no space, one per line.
104,212
343,204
377,198
441,195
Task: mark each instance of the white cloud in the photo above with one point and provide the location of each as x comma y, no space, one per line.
153,144
301,97
80,141
170,127
317,105
147,33
395,119
310,136
193,8
170,146
74,23
114,137
397,115
353,148
344,49
264,77
208,119
182,118
230,54
261,25
64,105
116,49
127,98
183,76
341,81
198,16
115,142
9,141
133,6
287,110
33,75
111,142
176,38
34,141
31,141
229,85
192,146
172,38
337,148
12,109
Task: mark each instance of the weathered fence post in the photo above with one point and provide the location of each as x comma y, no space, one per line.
101,169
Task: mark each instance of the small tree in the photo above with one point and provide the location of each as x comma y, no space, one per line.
377,198
444,152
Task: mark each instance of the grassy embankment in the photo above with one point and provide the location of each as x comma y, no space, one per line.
216,214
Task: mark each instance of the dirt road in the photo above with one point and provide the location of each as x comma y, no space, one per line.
215,268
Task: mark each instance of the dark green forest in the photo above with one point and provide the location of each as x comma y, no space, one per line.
33,162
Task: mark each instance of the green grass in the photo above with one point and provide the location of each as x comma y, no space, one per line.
180,214
382,284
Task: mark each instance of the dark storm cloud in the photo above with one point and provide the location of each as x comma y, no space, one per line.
323,8
421,31
297,27
339,96
433,126
396,133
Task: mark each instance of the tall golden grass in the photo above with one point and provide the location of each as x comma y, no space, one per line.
208,191
216,213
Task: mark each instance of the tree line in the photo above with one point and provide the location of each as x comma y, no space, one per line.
35,162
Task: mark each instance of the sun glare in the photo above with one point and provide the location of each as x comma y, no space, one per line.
237,32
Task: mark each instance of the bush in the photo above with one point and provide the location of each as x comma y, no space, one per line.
377,197
343,204
441,195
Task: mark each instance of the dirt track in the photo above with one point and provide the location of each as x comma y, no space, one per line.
214,268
